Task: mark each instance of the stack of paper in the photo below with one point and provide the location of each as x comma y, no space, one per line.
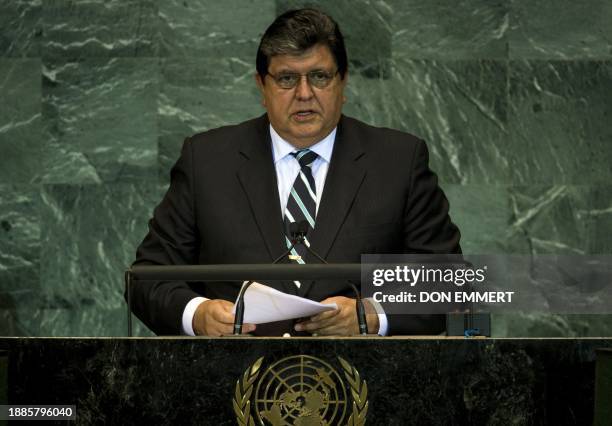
264,304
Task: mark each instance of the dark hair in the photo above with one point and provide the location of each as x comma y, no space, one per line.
296,31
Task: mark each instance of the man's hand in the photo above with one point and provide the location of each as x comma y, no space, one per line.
340,322
214,318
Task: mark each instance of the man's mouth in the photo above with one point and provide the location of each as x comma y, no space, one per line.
304,114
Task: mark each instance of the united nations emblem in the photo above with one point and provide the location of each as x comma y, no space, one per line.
300,390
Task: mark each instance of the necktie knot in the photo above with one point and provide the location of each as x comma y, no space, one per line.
305,157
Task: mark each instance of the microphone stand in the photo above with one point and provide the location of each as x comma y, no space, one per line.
298,235
361,315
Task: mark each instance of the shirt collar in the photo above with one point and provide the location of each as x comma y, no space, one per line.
281,148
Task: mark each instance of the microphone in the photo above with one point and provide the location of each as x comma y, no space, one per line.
301,229
298,231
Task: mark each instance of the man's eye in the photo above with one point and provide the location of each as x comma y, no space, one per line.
319,76
287,78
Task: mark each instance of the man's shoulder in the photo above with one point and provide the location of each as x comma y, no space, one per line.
379,138
227,137
230,129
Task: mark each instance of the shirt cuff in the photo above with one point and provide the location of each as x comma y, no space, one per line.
383,322
188,314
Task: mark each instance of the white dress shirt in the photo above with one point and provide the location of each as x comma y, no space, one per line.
287,169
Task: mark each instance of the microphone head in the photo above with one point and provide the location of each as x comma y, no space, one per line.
298,230
303,227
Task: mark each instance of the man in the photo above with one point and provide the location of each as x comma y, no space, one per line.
234,191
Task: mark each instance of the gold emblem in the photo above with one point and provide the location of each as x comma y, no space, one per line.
300,390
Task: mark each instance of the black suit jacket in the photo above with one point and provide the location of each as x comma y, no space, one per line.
223,207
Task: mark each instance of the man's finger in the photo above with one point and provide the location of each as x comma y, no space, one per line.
307,326
221,329
332,330
337,325
224,330
223,316
312,325
325,315
343,304
248,328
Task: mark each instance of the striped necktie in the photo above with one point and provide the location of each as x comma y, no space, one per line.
302,202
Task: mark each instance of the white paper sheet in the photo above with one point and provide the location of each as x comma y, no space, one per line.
264,304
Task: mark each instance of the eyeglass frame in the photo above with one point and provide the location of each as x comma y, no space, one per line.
300,75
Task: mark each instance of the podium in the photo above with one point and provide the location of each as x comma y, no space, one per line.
456,323
235,272
418,381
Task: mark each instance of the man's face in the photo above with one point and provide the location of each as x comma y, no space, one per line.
304,114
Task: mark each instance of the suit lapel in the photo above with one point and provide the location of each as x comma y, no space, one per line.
258,179
344,177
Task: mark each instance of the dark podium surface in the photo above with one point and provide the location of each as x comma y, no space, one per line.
417,381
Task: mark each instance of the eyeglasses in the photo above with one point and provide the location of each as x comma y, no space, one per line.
317,78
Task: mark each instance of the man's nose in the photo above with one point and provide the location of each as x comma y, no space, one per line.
303,91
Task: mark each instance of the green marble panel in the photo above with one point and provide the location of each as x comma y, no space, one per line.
19,252
536,220
101,119
90,234
482,214
210,28
20,120
559,122
572,219
100,28
523,148
21,28
550,325
458,107
450,29
366,29
200,94
569,220
85,320
561,29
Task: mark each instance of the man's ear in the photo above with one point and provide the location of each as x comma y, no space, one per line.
260,86
344,83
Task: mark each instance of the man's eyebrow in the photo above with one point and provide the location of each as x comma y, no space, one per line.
287,71
292,71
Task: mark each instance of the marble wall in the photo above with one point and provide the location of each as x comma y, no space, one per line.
514,98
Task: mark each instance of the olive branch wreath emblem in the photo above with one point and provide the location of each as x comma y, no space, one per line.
242,395
244,391
359,390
